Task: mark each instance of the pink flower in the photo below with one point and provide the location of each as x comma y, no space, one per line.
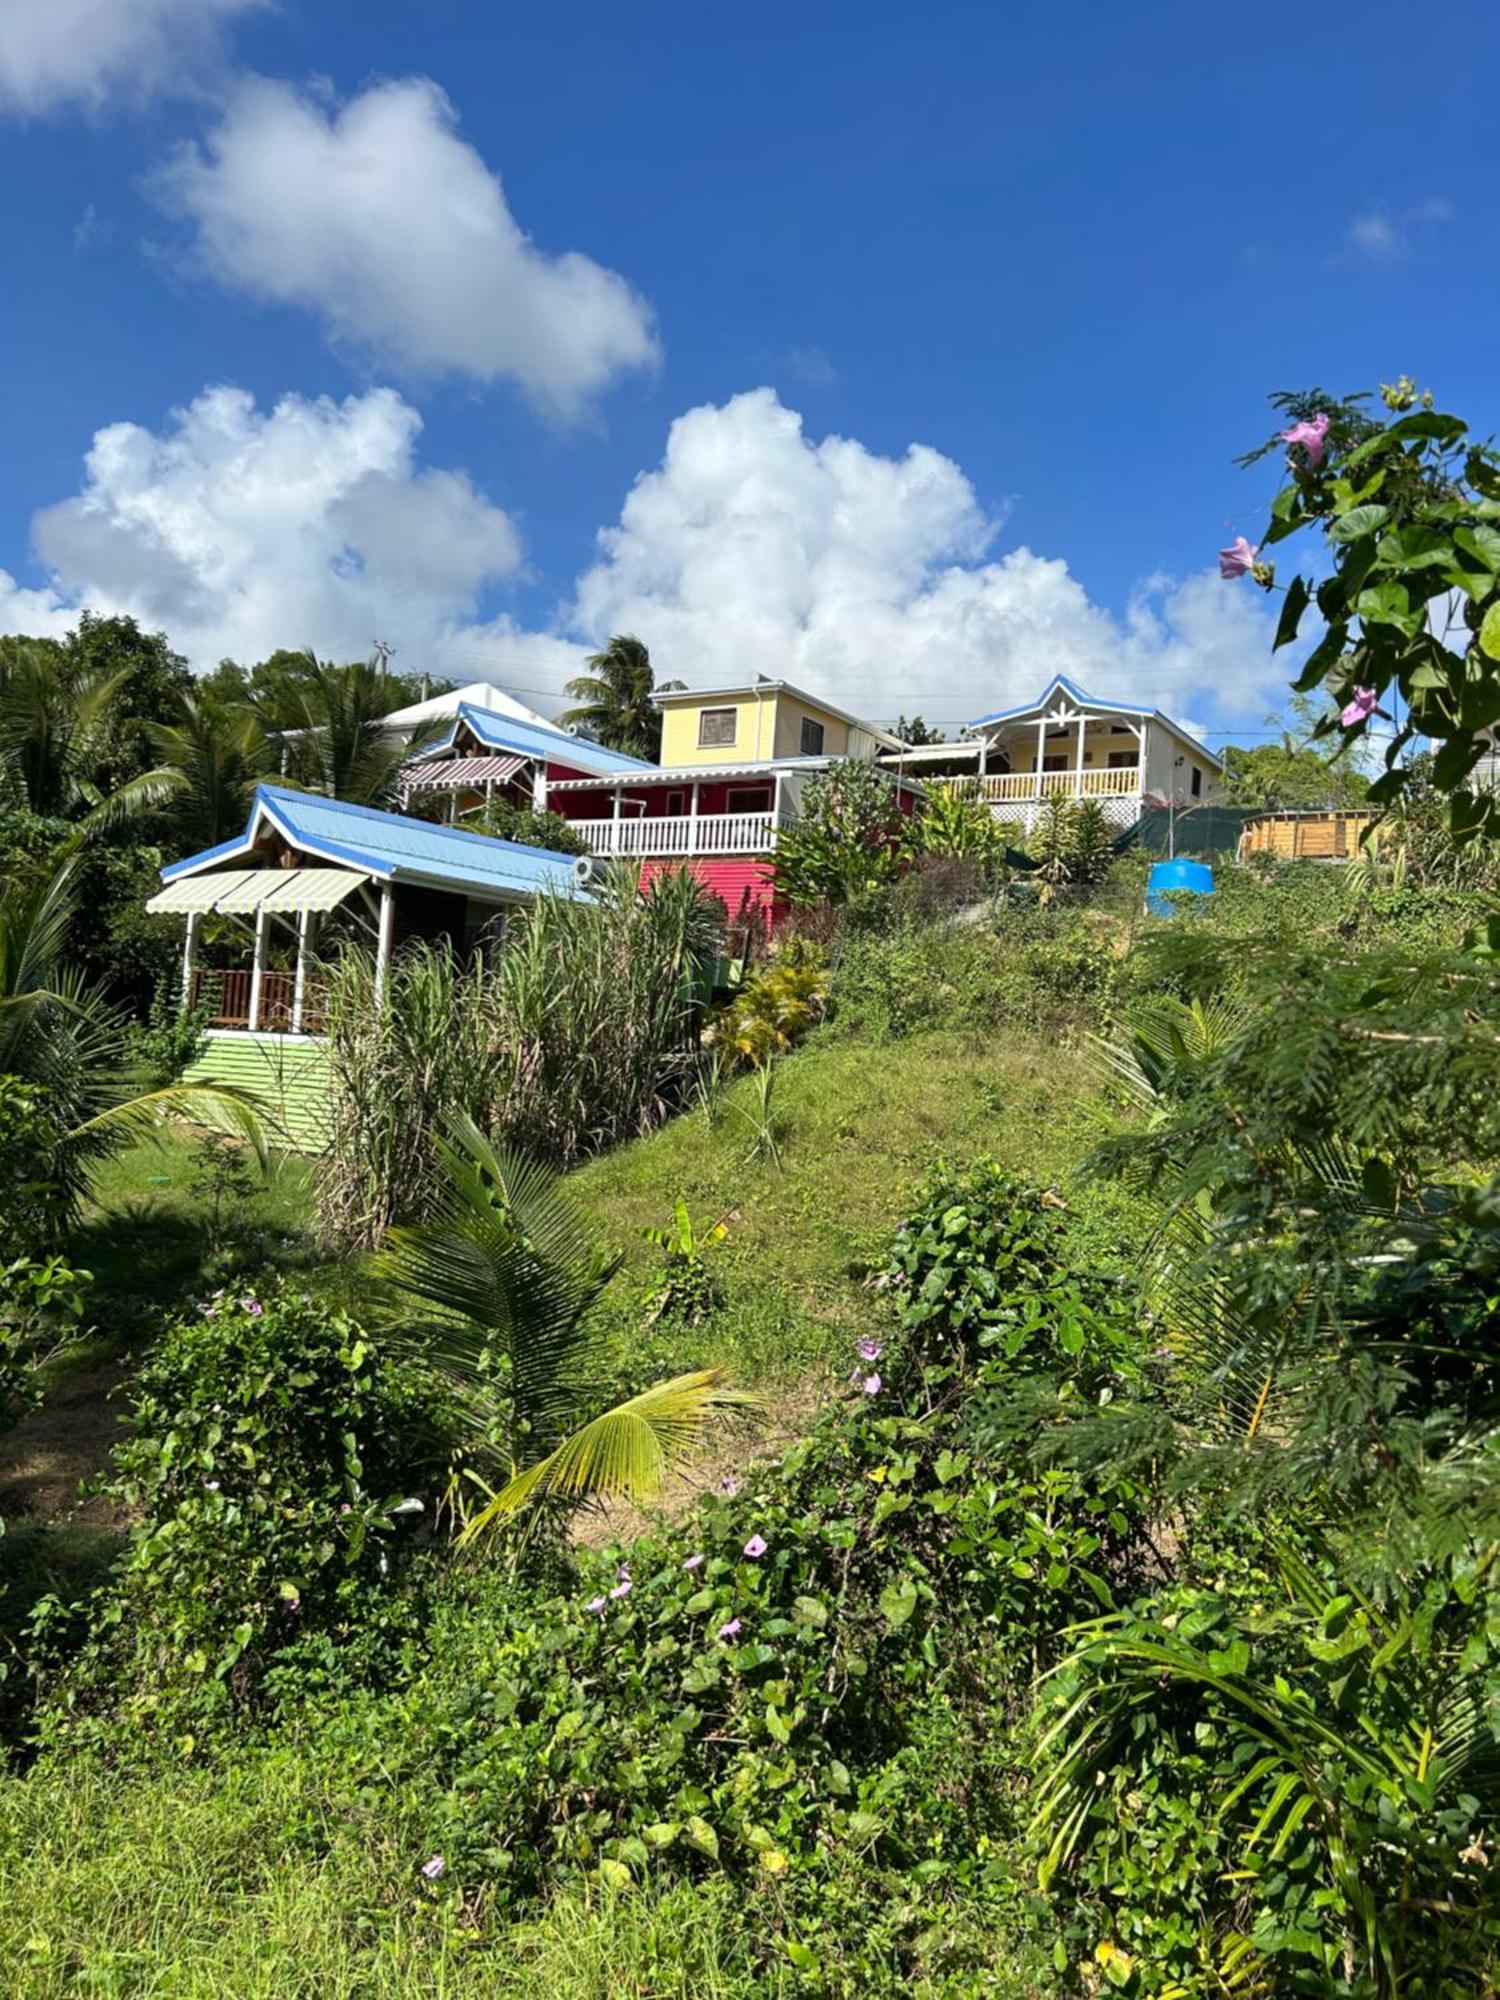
210,1485
731,1630
870,1386
1360,709
596,1604
622,1588
693,1562
868,1349
756,1547
1238,559
434,1867
1311,434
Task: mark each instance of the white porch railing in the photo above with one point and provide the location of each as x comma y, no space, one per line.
1020,787
681,834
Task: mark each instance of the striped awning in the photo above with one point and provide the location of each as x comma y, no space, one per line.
240,891
461,774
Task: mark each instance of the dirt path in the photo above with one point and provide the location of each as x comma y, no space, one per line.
44,1460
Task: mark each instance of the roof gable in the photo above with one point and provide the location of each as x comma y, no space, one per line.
539,742
1081,698
390,847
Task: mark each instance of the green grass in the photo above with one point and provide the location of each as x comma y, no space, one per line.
857,1127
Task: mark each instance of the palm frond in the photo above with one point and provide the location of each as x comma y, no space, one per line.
627,1453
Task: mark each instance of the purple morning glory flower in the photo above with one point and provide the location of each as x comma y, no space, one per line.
1360,709
730,1630
596,1604
870,1386
868,1349
622,1588
694,1562
1238,559
1312,435
210,1485
756,1547
434,1867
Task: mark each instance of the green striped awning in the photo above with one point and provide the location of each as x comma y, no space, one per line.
242,891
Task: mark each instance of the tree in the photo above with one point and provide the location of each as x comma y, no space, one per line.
69,719
276,685
915,731
329,734
510,1274
213,759
614,699
1303,769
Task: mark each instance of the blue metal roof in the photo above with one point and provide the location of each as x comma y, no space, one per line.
1060,683
524,739
392,848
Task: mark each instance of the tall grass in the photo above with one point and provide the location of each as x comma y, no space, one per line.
581,1033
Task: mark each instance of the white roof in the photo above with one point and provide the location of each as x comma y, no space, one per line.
478,694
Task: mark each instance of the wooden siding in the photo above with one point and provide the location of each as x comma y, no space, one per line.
289,1074
1329,836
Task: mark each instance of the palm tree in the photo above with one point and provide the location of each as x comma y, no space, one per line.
510,1273
63,1041
614,698
213,760
338,744
55,724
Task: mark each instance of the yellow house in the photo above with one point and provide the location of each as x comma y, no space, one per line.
759,722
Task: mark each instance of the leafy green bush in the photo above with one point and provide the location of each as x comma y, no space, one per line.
277,1464
844,841
506,821
42,1305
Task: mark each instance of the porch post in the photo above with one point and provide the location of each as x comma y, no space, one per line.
539,788
693,819
1078,775
299,984
984,762
189,951
383,940
776,808
1041,752
258,963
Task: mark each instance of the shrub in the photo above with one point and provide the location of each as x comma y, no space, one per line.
843,843
507,821
42,1304
775,1007
276,1464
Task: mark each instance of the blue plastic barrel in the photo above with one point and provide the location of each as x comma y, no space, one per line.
1171,877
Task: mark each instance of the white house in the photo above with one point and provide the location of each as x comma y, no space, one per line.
1071,744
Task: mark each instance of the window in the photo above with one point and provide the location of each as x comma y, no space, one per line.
676,804
1055,763
812,737
716,727
747,799
1197,783
1123,760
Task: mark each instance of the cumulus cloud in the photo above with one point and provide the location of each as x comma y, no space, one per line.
61,52
379,218
753,549
238,530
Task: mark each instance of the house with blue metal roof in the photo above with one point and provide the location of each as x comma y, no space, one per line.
1067,743
305,862
482,755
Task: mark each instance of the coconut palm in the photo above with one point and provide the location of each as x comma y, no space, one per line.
55,724
66,1043
213,760
614,698
509,1272
338,744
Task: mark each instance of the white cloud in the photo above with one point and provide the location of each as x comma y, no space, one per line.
237,531
1384,236
57,52
378,217
752,549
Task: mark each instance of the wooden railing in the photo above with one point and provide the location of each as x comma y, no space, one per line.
228,995
1020,787
681,834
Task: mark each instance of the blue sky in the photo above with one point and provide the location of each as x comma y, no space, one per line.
1065,250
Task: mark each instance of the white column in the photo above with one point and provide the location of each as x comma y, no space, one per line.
299,984
539,788
693,819
258,963
776,807
189,950
1041,752
984,759
383,941
1078,773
